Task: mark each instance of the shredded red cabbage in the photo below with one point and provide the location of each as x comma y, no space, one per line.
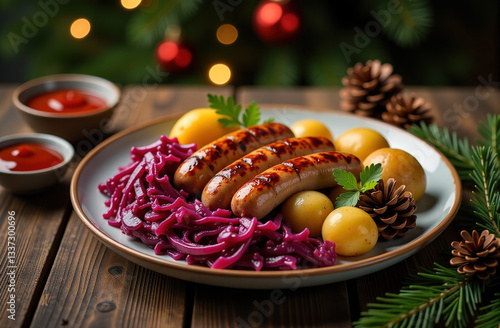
144,204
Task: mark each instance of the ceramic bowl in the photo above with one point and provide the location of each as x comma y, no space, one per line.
71,126
30,182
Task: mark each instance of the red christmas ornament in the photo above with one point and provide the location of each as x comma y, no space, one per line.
277,21
174,56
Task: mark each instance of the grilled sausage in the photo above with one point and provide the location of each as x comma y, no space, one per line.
220,189
267,190
194,173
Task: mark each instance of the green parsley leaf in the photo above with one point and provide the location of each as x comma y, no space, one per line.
226,108
369,185
251,116
226,122
269,120
369,178
232,111
349,198
371,173
346,179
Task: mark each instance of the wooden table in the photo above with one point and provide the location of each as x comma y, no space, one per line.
66,277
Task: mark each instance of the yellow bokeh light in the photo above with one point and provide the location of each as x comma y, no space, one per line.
80,28
227,34
130,4
219,74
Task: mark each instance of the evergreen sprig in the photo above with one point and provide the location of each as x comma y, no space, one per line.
148,25
490,132
491,313
457,150
442,295
410,24
486,197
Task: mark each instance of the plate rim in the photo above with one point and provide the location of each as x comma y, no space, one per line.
312,272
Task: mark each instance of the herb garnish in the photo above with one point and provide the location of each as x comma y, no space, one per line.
368,178
232,111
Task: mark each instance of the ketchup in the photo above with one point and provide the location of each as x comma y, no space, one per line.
28,156
66,101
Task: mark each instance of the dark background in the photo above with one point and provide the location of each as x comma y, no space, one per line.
461,44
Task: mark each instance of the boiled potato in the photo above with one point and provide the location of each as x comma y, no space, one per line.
311,128
351,229
200,126
403,167
306,209
360,142
335,192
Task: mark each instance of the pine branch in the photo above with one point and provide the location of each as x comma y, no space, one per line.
147,27
486,177
442,295
456,150
280,67
411,24
491,316
490,132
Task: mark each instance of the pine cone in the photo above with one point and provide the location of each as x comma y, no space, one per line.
368,88
391,209
476,254
404,112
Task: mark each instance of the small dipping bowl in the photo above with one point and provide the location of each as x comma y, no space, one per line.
74,126
31,182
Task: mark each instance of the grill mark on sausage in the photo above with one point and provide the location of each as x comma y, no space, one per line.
280,148
246,137
326,157
234,170
314,142
348,159
242,146
254,158
231,144
211,154
299,164
259,181
196,162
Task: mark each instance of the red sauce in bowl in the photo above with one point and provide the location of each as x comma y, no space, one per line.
66,101
29,156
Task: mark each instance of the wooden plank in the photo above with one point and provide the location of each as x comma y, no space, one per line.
141,103
39,224
89,285
460,109
321,306
327,98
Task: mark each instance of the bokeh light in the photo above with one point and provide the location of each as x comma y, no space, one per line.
270,14
219,74
130,4
170,51
80,28
290,22
167,51
227,34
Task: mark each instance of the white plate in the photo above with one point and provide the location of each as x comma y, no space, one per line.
435,210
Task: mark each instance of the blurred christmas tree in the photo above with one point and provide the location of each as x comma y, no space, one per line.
265,42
